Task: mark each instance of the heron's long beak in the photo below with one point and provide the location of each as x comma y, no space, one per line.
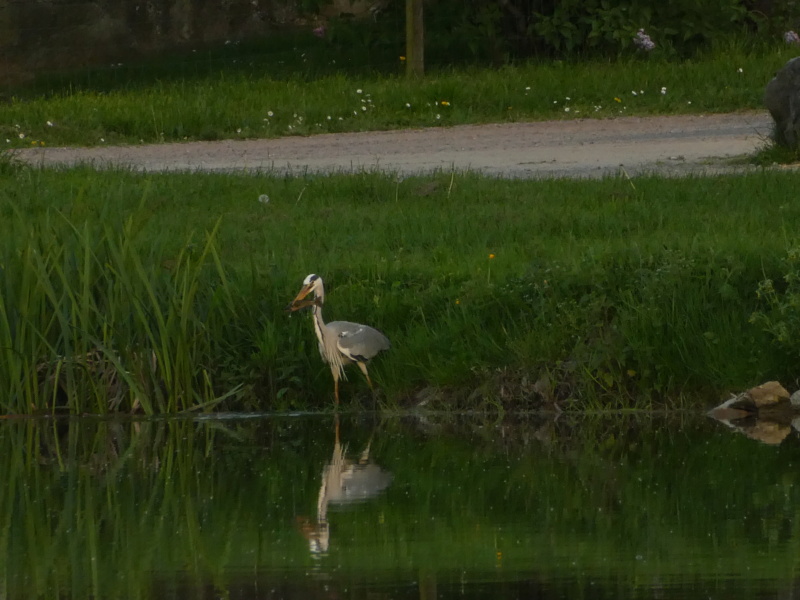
299,300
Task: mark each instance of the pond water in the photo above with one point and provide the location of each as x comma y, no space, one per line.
415,506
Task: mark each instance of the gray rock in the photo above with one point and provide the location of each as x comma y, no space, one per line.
768,398
782,99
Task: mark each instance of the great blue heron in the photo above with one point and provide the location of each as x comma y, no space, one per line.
340,342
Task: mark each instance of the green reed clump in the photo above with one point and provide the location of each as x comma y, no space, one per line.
93,320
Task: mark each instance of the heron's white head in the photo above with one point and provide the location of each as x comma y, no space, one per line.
312,283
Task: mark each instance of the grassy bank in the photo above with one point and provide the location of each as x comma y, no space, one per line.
255,93
166,292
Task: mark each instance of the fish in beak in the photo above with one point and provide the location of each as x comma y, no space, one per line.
300,300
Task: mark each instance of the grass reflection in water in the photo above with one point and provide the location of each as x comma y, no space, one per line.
612,506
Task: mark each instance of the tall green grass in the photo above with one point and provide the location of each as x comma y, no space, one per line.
165,292
93,319
233,102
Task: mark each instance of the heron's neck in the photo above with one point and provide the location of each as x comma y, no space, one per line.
327,340
319,324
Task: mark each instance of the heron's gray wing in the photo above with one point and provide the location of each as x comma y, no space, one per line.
358,342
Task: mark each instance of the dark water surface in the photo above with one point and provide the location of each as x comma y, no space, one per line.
433,506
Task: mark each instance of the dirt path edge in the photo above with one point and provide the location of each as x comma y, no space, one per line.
666,145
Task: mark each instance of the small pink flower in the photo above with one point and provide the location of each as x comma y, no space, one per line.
643,41
319,31
790,37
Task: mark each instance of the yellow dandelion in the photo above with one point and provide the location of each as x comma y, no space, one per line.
491,256
402,58
617,99
458,301
445,103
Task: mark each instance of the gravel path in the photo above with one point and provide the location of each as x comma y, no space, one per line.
671,145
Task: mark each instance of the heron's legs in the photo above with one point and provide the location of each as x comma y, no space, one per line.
335,373
363,367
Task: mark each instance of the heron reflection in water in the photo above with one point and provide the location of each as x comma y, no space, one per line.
340,342
345,482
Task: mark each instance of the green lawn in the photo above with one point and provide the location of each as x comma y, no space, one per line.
250,94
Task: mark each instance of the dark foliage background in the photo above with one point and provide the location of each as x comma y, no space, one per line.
502,30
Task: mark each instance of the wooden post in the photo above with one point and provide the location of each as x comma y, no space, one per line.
415,39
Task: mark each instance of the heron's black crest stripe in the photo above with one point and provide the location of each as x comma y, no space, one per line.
313,278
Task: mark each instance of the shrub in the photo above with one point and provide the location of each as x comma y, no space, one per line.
503,30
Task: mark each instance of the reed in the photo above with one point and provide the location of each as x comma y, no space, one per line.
94,320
